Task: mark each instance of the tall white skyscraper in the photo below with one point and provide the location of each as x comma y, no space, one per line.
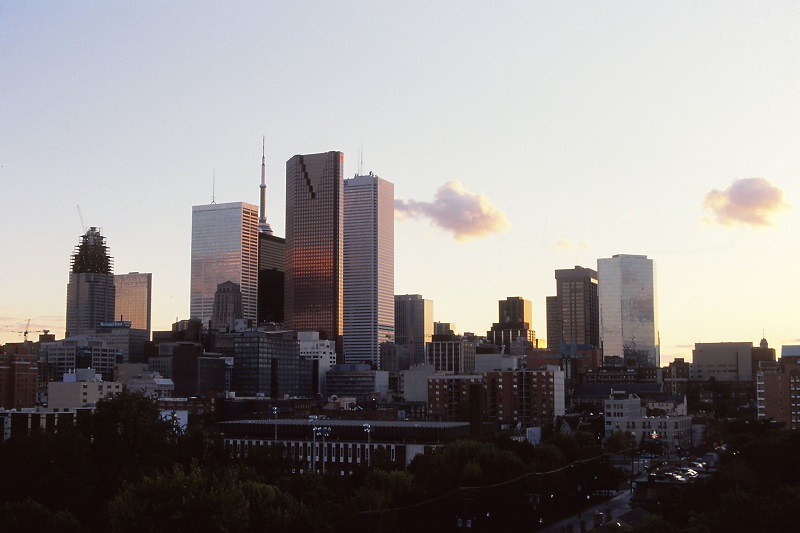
224,248
628,316
368,267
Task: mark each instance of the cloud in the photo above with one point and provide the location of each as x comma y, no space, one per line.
564,244
453,209
746,202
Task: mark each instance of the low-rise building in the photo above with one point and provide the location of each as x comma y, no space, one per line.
80,389
625,412
723,361
22,422
151,384
341,445
357,380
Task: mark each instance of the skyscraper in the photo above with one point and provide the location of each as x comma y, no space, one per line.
514,321
132,300
368,267
314,245
227,306
628,317
271,261
90,291
224,248
573,314
413,325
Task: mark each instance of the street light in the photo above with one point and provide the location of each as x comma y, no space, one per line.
275,411
324,432
368,431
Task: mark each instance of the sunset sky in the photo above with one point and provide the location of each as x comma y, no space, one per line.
521,137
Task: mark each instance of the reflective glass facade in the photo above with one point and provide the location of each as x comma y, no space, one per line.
368,267
224,248
314,245
628,318
271,276
132,301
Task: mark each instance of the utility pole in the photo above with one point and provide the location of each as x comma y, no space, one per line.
368,431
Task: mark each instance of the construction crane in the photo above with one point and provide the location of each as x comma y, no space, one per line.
83,226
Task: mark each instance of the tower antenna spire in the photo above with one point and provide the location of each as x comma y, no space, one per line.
361,158
263,225
213,186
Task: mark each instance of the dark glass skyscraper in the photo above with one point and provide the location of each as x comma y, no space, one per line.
413,325
90,291
573,314
514,321
314,245
271,276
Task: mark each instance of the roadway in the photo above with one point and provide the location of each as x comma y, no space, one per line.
619,504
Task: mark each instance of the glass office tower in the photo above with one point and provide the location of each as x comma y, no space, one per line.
628,318
368,267
314,245
413,325
133,300
573,314
224,248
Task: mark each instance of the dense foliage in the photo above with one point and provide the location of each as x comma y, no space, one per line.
125,469
757,487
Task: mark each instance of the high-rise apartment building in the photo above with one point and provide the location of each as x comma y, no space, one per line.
573,315
132,299
514,321
628,317
224,248
271,261
90,291
413,325
368,267
314,245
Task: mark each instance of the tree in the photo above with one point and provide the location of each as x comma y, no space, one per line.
28,515
620,440
200,500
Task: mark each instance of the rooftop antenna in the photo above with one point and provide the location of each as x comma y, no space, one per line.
361,158
213,185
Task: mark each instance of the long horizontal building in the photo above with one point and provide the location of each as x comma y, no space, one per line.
347,444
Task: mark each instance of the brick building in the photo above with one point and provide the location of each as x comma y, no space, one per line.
18,381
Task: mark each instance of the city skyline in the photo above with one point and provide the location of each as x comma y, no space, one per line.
669,173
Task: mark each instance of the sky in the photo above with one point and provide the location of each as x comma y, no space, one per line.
521,137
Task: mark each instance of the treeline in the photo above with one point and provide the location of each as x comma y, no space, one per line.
757,487
125,469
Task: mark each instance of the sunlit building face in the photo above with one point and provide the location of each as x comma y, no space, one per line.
224,248
314,244
133,297
628,318
368,267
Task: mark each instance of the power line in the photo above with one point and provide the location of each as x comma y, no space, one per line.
473,488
